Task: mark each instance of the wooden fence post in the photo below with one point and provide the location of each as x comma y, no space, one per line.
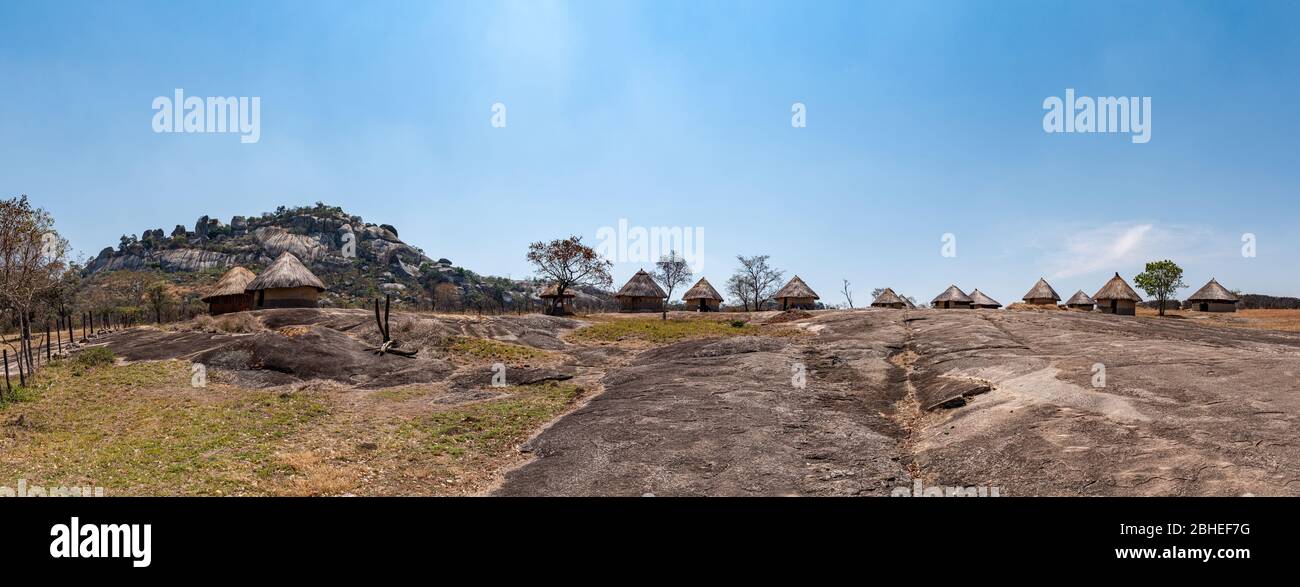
48,350
58,334
8,385
22,379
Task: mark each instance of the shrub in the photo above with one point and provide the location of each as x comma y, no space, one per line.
93,357
238,323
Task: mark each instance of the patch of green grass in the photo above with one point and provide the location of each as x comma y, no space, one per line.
18,394
141,429
661,331
488,429
96,356
492,350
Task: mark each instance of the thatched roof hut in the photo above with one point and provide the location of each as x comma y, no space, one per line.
1117,297
553,302
953,297
1212,298
796,294
641,294
1080,301
702,297
1042,294
980,300
287,283
230,293
889,299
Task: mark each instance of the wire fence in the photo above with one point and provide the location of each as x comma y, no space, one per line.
29,350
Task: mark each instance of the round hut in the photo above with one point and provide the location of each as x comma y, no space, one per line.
702,297
979,299
641,294
229,294
1117,297
888,299
1080,301
952,298
796,295
1042,294
1212,298
287,283
554,303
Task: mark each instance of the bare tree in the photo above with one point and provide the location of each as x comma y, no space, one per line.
736,289
848,293
31,258
756,280
569,263
671,271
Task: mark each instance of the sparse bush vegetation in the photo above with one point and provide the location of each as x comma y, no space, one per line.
237,323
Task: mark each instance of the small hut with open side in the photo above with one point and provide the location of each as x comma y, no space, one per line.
229,294
952,298
702,297
554,303
641,294
796,295
979,299
889,299
1080,301
1212,298
1042,294
287,283
1117,297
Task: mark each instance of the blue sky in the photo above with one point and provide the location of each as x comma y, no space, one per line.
923,118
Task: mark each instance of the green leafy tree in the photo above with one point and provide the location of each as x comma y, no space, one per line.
1161,280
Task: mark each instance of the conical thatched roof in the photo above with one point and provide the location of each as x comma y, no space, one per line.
233,283
952,294
641,286
286,272
1080,299
909,303
888,297
796,288
1213,292
1117,289
1041,290
702,290
552,291
980,299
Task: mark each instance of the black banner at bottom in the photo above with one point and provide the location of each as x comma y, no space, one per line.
161,536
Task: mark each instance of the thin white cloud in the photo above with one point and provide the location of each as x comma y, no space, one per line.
1122,244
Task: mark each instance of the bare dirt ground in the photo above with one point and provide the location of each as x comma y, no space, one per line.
953,398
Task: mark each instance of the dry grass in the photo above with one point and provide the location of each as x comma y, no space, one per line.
486,349
659,331
1283,320
236,323
140,429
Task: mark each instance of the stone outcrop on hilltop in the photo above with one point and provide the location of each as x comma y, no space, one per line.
355,258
